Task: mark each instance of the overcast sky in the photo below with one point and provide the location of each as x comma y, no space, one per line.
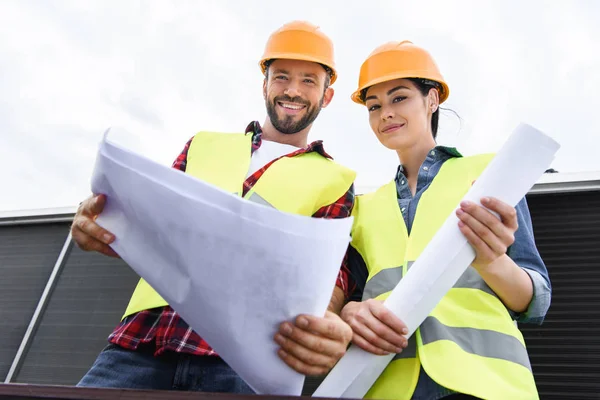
163,70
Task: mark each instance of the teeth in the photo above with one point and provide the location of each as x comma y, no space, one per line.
291,106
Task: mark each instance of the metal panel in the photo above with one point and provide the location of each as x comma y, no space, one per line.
87,303
565,350
27,255
40,309
311,383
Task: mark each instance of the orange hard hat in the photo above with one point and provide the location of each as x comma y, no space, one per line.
395,60
300,40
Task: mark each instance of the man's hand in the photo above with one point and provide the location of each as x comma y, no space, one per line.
489,236
312,346
375,328
88,235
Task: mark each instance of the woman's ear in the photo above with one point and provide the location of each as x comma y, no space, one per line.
433,100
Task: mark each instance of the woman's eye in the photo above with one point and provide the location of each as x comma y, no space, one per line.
373,107
398,99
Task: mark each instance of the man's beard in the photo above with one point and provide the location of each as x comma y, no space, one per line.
286,124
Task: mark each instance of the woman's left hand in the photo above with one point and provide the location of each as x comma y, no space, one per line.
489,236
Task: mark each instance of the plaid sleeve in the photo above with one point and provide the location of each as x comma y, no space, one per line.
342,208
181,161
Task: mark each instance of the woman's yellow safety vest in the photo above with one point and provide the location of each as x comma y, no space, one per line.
299,185
469,343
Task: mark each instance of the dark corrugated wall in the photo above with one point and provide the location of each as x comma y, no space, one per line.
27,255
87,303
565,350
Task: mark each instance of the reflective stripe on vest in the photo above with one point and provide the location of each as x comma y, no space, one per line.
300,185
469,342
485,343
386,280
410,351
383,282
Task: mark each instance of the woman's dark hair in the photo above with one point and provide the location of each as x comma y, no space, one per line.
424,85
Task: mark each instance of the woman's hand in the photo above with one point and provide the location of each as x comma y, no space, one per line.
489,235
375,328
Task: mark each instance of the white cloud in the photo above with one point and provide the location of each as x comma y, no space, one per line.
164,70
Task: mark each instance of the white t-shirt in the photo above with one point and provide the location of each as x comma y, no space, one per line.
267,152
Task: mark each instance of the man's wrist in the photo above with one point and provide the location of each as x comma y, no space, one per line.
337,301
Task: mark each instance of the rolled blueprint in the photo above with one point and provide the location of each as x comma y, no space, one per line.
511,173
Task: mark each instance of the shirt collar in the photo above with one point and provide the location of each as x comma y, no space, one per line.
451,151
256,130
442,152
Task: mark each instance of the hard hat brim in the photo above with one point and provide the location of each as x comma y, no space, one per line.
298,57
356,96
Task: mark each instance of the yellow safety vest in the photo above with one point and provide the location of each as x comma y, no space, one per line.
299,185
469,342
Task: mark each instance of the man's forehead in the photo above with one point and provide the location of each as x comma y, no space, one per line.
297,67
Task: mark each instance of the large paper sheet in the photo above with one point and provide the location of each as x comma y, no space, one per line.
508,177
232,268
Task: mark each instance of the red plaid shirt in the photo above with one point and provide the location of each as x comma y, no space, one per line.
163,325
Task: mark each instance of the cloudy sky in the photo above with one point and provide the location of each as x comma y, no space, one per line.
162,71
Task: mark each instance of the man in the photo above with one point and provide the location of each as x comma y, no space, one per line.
152,347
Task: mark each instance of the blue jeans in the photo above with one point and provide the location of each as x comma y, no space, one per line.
117,367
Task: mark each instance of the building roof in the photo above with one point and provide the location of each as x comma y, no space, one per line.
42,215
567,182
548,183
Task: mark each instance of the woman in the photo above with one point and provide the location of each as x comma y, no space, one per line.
469,346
